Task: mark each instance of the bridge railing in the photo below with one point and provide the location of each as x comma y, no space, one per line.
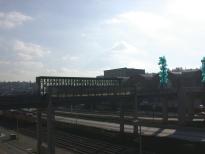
43,82
63,91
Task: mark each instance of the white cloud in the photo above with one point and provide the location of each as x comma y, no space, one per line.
176,30
71,72
187,9
70,58
29,65
123,54
149,24
21,60
83,35
12,19
177,21
114,20
21,70
135,38
4,62
124,48
29,51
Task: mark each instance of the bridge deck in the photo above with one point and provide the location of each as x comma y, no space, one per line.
77,94
14,102
22,101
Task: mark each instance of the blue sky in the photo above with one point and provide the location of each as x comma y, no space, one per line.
85,37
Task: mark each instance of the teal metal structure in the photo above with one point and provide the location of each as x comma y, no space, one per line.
163,74
203,70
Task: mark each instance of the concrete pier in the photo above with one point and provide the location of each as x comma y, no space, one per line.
164,104
181,106
122,120
135,116
39,131
51,127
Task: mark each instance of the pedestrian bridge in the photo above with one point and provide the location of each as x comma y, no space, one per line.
64,90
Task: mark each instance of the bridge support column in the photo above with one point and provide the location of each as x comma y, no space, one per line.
92,107
50,128
181,107
190,103
135,116
122,120
138,133
164,104
39,130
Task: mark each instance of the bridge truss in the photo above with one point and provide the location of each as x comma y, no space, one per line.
43,82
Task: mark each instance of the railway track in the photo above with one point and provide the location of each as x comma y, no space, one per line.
94,145
81,145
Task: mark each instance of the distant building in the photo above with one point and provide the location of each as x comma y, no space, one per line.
186,77
17,88
100,76
123,72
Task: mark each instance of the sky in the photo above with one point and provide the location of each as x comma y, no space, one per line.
85,37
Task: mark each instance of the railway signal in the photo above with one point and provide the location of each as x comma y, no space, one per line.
163,74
